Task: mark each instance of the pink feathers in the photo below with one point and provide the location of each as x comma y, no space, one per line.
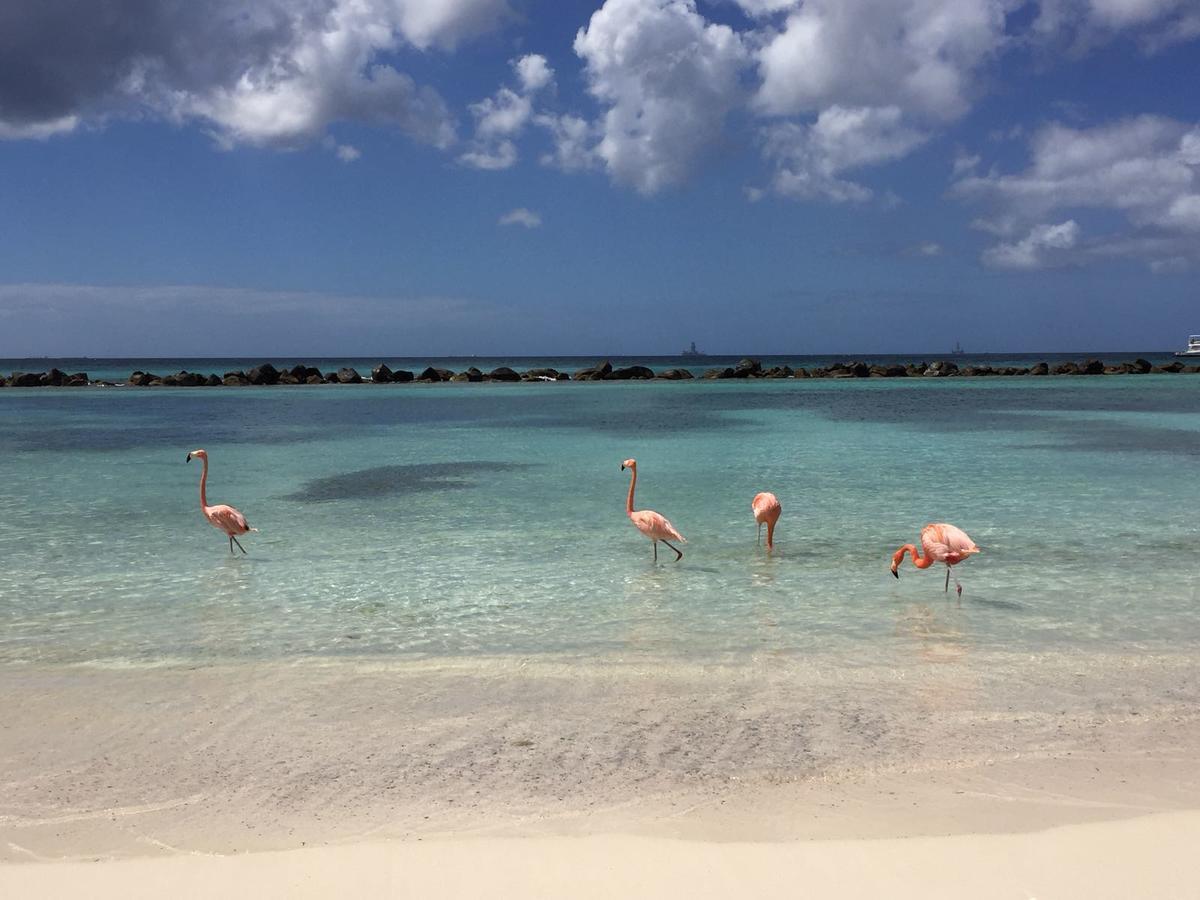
766,508
653,525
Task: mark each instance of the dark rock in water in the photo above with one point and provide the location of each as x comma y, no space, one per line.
331,378
27,379
1040,369
541,375
169,381
1141,366
212,381
461,376
288,378
503,373
1092,367
630,372
55,378
747,368
402,376
429,373
235,379
819,372
264,374
299,372
719,373
1193,369
595,373
675,374
1173,367
187,379
348,376
1067,368
941,369
381,374
800,373
778,372
473,374
896,372
314,379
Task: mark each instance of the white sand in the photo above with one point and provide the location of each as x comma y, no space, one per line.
1147,857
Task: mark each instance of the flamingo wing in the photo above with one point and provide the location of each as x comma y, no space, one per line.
655,526
946,543
764,506
227,519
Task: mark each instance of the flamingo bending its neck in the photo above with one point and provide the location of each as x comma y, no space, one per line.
653,525
942,543
223,518
766,508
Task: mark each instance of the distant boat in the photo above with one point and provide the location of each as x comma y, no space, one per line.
958,350
692,352
1193,347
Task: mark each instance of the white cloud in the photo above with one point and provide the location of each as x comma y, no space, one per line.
494,157
1085,24
1145,168
574,142
1171,266
963,163
503,116
668,77
347,153
37,131
534,72
1037,249
810,158
521,216
928,249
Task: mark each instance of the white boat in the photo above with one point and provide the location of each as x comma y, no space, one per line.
1193,348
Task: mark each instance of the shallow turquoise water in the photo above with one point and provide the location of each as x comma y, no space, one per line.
473,520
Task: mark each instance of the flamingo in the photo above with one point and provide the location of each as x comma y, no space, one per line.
942,543
223,518
766,509
653,525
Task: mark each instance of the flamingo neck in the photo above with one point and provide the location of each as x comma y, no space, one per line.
918,561
770,533
203,482
632,482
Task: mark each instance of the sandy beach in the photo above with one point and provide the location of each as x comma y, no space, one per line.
532,779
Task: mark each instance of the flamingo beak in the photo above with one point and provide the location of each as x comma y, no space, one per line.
189,458
895,574
622,467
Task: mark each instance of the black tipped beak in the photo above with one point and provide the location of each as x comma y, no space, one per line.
622,468
189,458
895,574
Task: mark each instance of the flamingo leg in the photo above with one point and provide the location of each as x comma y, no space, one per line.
947,587
232,541
678,553
759,541
654,544
958,587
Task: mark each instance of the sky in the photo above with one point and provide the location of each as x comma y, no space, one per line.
528,177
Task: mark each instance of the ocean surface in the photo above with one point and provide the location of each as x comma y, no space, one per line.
487,520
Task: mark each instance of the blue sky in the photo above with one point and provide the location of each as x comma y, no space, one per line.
439,177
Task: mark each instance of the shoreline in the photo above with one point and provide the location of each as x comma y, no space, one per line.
267,375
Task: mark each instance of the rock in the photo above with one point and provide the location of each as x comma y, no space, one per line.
1067,368
79,379
719,373
819,372
896,371
1173,367
1193,369
402,376
55,378
288,378
348,376
140,379
187,379
1040,369
212,381
541,375
235,379
675,374
461,376
748,368
630,372
778,372
264,374
503,373
1141,366
941,369
314,379
800,373
595,373
381,374
473,374
169,381
1092,367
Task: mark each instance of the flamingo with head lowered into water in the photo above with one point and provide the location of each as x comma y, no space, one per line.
223,518
942,543
766,508
653,525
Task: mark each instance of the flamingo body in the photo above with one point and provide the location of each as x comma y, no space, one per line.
222,517
766,508
942,543
653,525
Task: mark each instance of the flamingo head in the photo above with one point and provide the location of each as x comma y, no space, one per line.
897,558
199,454
629,464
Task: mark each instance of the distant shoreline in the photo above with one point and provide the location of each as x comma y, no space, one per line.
265,374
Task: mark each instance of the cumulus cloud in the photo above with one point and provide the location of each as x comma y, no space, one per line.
810,158
1084,24
276,72
1036,250
503,116
521,216
1145,168
667,77
347,153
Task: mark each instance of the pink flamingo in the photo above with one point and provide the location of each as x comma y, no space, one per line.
653,525
766,508
223,518
942,543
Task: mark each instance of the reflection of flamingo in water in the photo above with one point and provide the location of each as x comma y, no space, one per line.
223,518
766,509
942,543
653,525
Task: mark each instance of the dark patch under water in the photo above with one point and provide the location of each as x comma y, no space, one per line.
387,481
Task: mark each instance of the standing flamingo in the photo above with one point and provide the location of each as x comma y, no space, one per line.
653,525
766,508
223,518
942,543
